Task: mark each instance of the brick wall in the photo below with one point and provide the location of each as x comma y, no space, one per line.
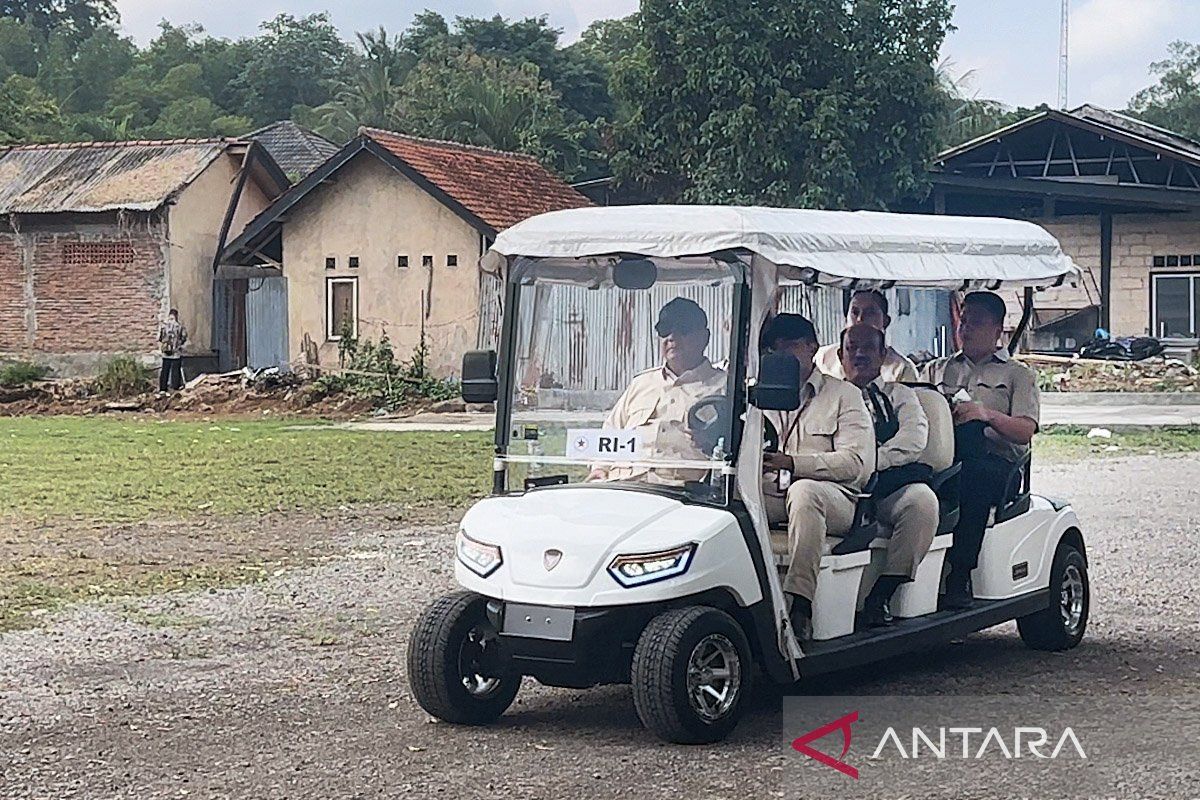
86,298
12,296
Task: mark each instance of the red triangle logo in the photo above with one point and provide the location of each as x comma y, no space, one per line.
800,745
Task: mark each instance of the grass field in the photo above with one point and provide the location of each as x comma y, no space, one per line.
94,508
126,470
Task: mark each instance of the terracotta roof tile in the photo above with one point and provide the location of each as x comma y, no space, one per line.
500,188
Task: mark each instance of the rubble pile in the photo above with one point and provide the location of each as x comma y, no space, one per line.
262,392
1157,374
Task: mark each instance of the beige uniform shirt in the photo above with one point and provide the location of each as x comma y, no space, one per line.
830,437
896,366
909,442
657,402
1000,383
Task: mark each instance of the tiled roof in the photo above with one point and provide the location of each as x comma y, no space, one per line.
100,176
499,188
298,151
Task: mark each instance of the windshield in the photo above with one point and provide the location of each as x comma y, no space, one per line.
621,384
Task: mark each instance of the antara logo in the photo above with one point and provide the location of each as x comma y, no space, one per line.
962,742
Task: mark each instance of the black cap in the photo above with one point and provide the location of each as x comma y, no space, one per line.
681,316
789,327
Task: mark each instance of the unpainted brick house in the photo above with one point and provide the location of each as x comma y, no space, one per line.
386,236
98,240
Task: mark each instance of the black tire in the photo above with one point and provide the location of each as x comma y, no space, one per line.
1062,624
660,674
448,641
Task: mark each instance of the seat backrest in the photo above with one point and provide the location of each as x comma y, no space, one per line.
939,452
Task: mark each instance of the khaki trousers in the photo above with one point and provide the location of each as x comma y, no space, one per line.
909,516
813,510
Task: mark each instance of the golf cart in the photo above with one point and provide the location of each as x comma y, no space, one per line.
642,553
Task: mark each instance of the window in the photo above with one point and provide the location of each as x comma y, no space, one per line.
341,307
451,261
402,262
330,263
1175,305
80,253
427,261
353,262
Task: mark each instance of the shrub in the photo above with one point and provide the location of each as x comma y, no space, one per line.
123,376
20,373
374,373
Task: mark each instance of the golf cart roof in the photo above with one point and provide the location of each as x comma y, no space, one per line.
836,248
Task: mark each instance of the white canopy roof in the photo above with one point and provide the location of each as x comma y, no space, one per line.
830,247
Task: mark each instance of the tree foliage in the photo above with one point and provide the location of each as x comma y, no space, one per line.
1173,102
819,103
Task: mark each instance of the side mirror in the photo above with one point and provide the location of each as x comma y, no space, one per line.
479,383
778,385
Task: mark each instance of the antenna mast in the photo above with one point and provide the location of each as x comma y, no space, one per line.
1062,55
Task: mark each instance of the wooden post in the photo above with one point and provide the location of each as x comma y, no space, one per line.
1106,222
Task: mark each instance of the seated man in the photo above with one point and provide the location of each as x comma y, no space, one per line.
827,453
868,307
995,421
906,507
658,400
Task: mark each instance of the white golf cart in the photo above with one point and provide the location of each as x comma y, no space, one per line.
666,573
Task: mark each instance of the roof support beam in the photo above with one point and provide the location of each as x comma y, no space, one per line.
1071,150
1049,155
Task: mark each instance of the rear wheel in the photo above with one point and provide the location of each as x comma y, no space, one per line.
691,674
452,666
1061,626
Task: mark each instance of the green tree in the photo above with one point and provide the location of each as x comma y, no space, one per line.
1174,102
371,95
78,19
465,97
296,61
18,48
27,113
817,103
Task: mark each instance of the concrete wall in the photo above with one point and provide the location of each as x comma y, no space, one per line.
376,214
72,315
194,225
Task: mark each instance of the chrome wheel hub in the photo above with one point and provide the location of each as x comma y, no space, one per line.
470,654
1071,599
714,677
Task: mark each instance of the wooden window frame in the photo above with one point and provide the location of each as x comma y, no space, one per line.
331,334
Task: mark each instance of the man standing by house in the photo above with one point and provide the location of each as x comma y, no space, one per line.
172,336
996,407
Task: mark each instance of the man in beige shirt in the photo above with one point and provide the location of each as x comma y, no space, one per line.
868,307
994,424
657,401
905,506
826,455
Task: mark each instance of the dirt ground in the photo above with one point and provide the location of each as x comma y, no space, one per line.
294,686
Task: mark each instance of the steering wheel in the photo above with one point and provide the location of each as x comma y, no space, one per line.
709,421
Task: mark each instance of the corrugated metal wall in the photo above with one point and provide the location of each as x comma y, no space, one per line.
821,304
597,340
266,322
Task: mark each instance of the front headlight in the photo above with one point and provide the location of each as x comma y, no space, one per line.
482,559
637,569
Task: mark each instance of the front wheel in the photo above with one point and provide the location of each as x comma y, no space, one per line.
452,666
691,674
1061,626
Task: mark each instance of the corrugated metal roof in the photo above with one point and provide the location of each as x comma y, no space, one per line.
101,176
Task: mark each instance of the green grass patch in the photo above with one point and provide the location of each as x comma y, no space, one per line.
1070,443
109,469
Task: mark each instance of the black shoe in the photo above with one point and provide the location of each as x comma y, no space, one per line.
958,594
801,618
875,614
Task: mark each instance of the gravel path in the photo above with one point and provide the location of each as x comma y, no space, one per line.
295,687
